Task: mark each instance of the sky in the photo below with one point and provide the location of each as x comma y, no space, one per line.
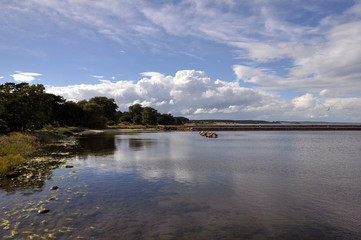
295,60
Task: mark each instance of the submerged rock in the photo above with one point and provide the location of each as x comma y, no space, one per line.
43,210
54,187
31,175
52,198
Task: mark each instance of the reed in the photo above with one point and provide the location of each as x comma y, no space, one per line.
14,149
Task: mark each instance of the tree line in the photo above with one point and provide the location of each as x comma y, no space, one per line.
28,107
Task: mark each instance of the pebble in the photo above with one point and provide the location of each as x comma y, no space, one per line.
30,176
43,210
54,187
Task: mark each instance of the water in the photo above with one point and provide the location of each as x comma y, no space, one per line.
179,185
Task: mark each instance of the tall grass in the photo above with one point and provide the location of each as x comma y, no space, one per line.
14,148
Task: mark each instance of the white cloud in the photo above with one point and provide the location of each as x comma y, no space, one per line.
188,92
323,50
97,76
25,76
193,94
335,65
1,77
341,109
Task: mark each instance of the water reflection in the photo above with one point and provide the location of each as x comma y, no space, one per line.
173,185
33,176
96,144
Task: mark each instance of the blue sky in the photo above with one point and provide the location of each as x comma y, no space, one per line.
271,60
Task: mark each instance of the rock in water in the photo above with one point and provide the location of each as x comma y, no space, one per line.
54,187
43,210
69,166
31,175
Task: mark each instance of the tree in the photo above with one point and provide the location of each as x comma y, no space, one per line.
98,111
107,105
70,114
126,117
149,116
166,119
26,107
136,112
181,120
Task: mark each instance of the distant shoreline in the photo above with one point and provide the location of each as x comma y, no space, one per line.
115,130
228,127
278,127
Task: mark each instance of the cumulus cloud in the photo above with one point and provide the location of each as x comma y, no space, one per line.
189,92
193,94
323,53
25,76
335,65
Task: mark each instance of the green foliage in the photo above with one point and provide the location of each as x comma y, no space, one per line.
166,119
8,163
4,129
107,107
149,116
14,148
28,107
126,117
25,106
136,112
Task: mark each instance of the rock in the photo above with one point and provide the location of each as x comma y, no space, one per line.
69,166
31,175
208,134
54,187
43,210
13,174
52,198
213,135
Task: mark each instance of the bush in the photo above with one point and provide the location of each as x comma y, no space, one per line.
4,129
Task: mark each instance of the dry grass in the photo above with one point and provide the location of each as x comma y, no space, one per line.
14,148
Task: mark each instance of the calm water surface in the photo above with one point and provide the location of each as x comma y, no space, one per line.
179,185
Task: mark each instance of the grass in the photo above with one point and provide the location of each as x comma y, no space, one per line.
14,148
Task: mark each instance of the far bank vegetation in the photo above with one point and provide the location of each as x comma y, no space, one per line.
30,117
26,107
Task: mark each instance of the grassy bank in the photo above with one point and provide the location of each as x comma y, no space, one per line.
14,149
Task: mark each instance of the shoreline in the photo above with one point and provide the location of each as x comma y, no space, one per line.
285,127
115,130
195,128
